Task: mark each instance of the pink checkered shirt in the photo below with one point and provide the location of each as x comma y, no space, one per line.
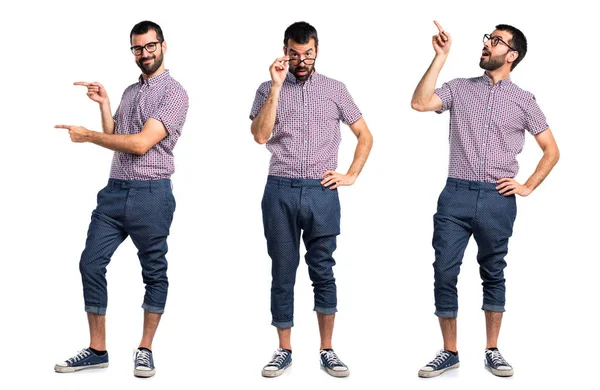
487,126
159,97
306,136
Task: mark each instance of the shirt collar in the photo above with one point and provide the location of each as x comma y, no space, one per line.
155,79
290,78
500,83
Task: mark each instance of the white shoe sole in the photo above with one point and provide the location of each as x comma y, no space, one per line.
274,373
337,374
434,373
144,373
502,373
58,368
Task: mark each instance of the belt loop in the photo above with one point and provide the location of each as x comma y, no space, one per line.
150,184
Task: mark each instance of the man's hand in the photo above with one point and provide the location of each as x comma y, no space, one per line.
77,133
333,179
278,70
95,91
442,41
508,186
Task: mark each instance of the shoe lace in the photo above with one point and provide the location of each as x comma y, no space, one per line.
439,359
497,358
143,358
80,356
332,359
278,357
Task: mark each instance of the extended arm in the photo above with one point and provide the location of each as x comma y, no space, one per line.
97,93
152,133
424,97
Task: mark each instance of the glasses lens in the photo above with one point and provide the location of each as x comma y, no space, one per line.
309,61
137,50
150,47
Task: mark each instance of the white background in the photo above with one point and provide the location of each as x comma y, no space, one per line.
216,331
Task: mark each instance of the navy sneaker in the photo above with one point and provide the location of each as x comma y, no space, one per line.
143,364
84,359
496,363
444,360
281,360
331,363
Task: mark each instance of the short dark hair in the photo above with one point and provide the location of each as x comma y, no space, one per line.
518,42
144,27
300,32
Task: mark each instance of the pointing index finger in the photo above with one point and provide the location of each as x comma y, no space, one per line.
439,26
84,83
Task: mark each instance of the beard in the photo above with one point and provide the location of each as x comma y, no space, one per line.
306,68
150,67
492,63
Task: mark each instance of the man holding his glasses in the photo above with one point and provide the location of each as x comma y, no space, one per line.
137,201
297,115
488,119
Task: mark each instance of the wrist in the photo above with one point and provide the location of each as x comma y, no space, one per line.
440,57
90,136
352,176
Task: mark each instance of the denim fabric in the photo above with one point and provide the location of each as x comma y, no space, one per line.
142,210
468,208
291,206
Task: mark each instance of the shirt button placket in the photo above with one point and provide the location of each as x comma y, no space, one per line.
304,131
486,135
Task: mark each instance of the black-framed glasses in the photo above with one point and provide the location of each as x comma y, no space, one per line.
495,40
295,58
150,48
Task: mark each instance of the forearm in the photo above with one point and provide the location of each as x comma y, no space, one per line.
262,126
361,154
547,162
126,143
108,123
426,87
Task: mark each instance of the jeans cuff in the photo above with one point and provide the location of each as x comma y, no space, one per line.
325,310
496,308
282,325
153,309
96,309
446,314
